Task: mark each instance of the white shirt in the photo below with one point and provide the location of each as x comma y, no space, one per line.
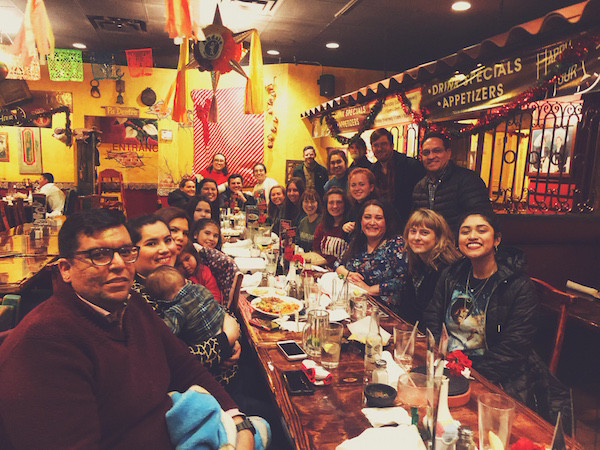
55,199
266,185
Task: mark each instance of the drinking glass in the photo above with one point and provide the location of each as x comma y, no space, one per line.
404,346
312,336
271,263
496,414
332,345
312,293
412,392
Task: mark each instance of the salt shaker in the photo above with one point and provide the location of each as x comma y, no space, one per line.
465,439
380,374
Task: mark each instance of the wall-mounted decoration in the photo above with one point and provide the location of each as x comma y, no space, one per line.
43,101
17,70
30,148
158,110
166,135
3,147
120,88
121,111
104,66
129,145
65,64
551,152
139,62
13,91
148,97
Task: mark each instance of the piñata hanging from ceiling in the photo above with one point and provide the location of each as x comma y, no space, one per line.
220,52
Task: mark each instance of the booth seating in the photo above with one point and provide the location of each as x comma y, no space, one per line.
10,311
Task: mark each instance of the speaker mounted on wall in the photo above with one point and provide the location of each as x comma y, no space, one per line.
326,84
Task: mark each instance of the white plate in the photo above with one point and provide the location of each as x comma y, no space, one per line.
263,291
256,301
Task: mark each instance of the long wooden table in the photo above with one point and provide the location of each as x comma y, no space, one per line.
23,259
333,414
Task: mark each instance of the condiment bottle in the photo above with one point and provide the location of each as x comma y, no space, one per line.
380,374
373,342
465,439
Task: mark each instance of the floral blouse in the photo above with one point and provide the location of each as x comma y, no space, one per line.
387,266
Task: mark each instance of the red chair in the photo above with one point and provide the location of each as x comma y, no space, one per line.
555,299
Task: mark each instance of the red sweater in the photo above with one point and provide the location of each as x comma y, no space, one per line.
69,378
213,175
329,243
205,277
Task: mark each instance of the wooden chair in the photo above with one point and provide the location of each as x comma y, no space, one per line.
70,202
555,300
234,293
19,211
110,189
4,225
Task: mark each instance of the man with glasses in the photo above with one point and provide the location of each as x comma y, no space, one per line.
92,366
396,174
448,189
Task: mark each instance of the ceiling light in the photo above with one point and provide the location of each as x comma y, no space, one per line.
332,45
461,6
79,45
273,52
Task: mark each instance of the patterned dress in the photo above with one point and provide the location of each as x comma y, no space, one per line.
387,266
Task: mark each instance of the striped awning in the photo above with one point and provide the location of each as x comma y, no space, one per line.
560,22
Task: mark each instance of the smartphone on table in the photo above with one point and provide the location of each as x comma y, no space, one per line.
297,383
291,350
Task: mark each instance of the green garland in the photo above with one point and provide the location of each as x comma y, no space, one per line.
334,128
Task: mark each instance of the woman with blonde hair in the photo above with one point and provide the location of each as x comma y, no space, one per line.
430,249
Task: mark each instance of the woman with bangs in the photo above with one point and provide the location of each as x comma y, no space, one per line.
217,171
430,249
312,207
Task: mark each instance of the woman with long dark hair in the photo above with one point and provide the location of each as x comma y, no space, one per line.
430,249
312,207
208,189
329,239
276,207
293,208
375,259
489,306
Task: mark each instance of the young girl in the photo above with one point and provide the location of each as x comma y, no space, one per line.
190,266
330,240
311,204
207,233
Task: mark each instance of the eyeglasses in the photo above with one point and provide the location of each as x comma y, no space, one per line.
103,256
435,151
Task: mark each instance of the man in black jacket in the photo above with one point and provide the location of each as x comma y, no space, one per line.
312,173
448,189
396,174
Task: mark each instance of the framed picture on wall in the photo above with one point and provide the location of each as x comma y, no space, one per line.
30,148
551,151
3,147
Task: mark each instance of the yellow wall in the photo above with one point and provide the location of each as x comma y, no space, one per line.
296,88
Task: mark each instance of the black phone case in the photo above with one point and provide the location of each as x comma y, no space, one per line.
297,383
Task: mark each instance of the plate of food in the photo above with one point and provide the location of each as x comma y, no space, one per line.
276,305
262,291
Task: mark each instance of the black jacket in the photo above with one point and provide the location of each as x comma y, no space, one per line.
460,191
510,317
321,176
363,162
225,200
407,173
178,198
